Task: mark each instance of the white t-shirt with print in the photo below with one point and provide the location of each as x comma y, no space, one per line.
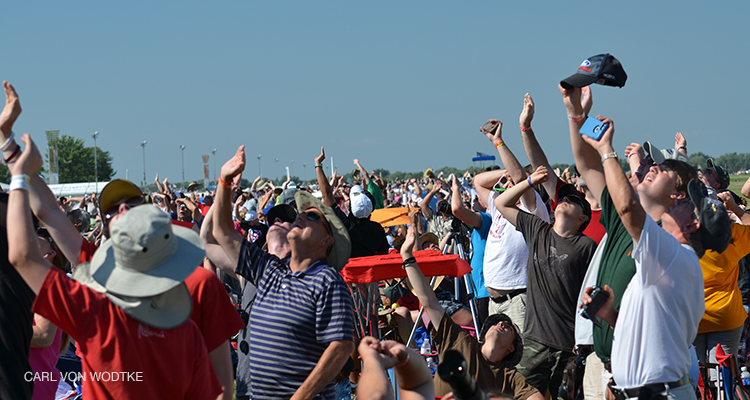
660,311
506,254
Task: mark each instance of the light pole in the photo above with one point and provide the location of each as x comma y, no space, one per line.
259,173
96,172
292,174
304,173
277,169
182,147
214,154
143,144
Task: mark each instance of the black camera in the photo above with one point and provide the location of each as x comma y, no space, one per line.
598,297
454,370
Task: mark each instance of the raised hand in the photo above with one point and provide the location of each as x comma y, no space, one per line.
587,99
604,144
540,175
527,114
356,162
234,166
29,162
497,135
319,159
572,100
411,236
455,184
634,148
679,140
12,108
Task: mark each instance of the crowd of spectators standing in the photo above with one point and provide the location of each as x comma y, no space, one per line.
238,292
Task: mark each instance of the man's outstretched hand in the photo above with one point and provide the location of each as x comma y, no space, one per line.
572,100
604,144
527,114
319,159
12,109
234,166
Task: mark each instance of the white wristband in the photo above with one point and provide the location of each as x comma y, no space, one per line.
19,182
8,142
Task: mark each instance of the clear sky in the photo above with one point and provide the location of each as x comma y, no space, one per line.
400,85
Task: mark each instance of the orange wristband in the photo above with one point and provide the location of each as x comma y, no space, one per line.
525,129
222,183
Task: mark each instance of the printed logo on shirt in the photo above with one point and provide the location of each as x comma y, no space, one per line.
144,331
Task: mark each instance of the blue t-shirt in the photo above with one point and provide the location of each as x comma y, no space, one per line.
478,241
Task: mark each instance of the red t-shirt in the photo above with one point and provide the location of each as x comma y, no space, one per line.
204,208
131,360
214,314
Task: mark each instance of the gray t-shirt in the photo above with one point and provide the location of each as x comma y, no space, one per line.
556,269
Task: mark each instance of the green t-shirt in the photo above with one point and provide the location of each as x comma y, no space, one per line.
616,268
376,193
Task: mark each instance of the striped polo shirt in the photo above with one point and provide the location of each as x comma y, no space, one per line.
294,317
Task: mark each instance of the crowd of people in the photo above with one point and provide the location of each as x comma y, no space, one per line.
239,292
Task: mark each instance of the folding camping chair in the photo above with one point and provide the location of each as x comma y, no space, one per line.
363,273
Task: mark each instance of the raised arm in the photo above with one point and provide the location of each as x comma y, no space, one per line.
732,206
213,249
159,188
506,202
363,173
587,159
43,202
425,205
460,211
745,191
631,213
680,143
510,162
484,182
23,245
533,149
223,229
325,187
418,281
414,379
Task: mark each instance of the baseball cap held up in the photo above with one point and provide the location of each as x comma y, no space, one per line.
603,69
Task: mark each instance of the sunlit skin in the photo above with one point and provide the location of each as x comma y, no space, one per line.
499,341
710,177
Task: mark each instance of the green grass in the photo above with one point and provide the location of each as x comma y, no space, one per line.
736,182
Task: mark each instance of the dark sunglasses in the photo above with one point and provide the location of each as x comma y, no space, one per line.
116,209
708,171
315,217
499,185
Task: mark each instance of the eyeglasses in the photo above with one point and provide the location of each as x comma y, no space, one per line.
116,209
708,171
315,217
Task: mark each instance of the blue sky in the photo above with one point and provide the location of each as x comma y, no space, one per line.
399,85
